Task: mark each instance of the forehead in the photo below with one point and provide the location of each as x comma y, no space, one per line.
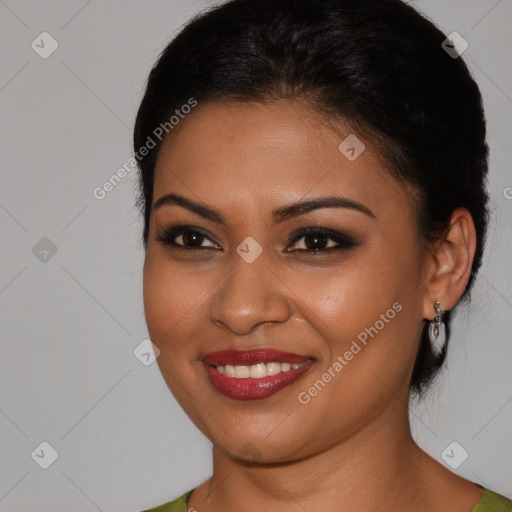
265,155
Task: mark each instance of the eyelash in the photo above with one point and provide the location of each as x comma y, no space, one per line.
344,241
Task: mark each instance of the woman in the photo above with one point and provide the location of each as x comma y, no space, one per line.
313,187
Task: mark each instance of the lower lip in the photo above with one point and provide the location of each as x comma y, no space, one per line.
254,389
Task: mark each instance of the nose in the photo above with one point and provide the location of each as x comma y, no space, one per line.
251,294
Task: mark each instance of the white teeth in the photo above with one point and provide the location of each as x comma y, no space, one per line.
258,370
241,372
273,368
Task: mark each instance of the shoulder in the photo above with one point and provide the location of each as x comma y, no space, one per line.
493,502
178,505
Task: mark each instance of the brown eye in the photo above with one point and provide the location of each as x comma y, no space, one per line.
185,237
321,240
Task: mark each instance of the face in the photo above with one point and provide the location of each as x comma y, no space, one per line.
239,284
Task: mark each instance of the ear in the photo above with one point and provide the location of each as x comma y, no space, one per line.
449,263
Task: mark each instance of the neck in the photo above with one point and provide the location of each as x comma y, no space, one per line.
380,467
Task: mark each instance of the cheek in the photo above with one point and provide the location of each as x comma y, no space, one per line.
346,298
366,306
172,303
170,298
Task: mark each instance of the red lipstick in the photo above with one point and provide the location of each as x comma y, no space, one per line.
222,365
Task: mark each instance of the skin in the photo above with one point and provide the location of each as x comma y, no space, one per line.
351,444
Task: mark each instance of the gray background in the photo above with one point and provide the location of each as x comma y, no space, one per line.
70,321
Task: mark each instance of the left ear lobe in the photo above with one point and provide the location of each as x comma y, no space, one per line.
452,256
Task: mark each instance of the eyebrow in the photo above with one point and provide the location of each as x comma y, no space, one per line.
279,215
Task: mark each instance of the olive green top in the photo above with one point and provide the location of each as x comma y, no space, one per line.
490,502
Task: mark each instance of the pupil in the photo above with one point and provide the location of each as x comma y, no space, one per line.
318,240
192,238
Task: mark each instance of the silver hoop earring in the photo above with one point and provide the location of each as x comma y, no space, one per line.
436,331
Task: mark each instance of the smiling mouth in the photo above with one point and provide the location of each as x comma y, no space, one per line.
265,372
258,370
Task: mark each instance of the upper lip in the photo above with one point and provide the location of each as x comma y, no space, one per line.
252,356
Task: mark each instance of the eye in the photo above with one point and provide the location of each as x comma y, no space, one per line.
321,240
316,240
186,238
